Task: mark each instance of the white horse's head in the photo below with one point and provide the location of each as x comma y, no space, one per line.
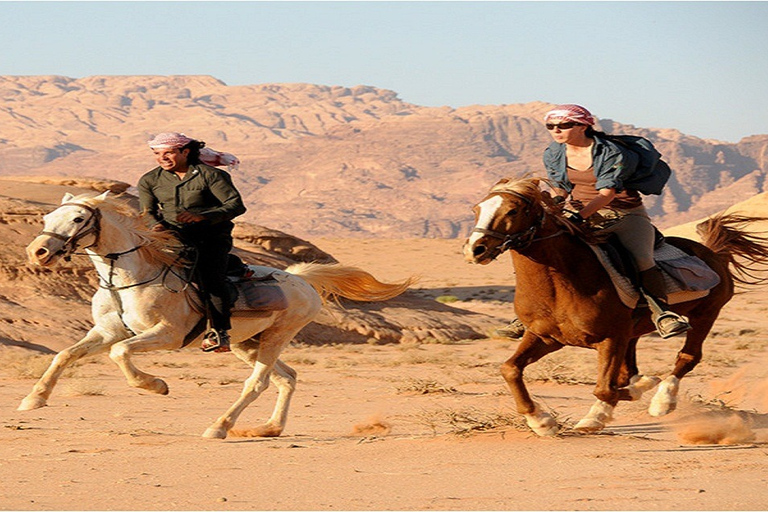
73,225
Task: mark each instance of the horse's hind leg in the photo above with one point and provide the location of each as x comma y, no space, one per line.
92,343
284,379
665,399
530,350
271,343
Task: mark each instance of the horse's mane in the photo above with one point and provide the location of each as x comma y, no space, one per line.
529,188
157,247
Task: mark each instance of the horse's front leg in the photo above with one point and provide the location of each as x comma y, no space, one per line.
611,353
531,349
159,337
93,342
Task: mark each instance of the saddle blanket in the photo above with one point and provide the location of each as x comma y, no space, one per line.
692,280
260,291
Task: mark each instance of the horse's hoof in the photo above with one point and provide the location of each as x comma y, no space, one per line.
265,430
665,399
639,385
158,386
32,402
659,408
589,425
542,424
215,433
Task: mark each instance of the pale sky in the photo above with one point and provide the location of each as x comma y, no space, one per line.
700,67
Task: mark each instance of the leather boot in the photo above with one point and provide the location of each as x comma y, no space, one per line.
668,323
215,341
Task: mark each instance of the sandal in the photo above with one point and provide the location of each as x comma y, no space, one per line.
216,341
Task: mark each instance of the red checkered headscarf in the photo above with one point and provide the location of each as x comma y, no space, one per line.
570,112
207,156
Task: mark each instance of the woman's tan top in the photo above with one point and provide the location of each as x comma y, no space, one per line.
584,190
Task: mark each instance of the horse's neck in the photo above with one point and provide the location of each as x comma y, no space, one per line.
127,268
555,256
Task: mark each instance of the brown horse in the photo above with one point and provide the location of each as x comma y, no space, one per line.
565,297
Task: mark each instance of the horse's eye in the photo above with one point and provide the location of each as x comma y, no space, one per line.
78,220
512,212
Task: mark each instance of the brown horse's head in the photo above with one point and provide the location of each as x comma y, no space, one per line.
507,218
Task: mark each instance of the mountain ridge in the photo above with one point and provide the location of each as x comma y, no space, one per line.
322,160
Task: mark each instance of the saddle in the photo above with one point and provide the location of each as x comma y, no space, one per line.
255,289
686,276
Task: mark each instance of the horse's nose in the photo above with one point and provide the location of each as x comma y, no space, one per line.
473,252
37,254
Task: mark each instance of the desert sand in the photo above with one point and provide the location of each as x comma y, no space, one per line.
394,426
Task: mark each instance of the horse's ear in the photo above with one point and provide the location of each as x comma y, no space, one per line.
67,198
103,196
536,181
502,181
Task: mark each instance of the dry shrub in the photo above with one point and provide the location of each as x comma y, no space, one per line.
22,365
468,421
376,425
716,428
83,387
552,370
424,387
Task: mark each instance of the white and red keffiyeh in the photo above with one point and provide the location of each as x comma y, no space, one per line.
570,112
217,158
207,155
169,140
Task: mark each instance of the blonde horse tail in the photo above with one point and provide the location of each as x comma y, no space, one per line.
336,280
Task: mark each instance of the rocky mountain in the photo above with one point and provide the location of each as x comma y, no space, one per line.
334,161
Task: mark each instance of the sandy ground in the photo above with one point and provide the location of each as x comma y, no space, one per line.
396,427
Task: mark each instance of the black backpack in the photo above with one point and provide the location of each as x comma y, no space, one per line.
652,172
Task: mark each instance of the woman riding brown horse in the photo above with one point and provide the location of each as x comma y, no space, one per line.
564,296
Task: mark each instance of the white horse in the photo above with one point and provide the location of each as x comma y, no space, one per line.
143,304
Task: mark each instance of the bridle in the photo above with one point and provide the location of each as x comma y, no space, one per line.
92,226
521,240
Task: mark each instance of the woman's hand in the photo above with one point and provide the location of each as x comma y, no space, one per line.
605,196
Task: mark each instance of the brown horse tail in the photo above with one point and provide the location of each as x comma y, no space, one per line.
727,236
336,280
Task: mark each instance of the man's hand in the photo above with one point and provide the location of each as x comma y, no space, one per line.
189,217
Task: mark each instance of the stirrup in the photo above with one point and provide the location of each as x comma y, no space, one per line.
215,341
676,325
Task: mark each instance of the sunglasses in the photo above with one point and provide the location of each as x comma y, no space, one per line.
563,126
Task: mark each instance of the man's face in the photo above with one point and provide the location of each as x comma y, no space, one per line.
171,159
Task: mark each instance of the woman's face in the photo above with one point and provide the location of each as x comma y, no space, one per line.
566,132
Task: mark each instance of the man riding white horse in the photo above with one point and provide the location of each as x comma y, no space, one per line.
197,202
